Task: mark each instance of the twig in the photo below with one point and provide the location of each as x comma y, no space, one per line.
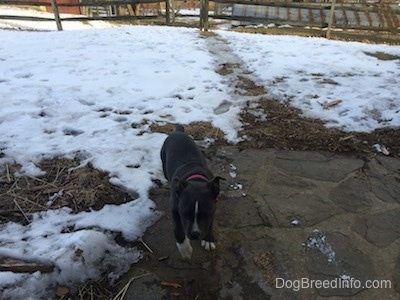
8,173
13,185
216,133
59,172
146,246
44,186
27,200
330,104
8,212
264,132
171,284
121,294
22,212
349,137
41,180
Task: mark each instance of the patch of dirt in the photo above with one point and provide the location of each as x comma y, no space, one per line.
382,55
265,262
285,128
63,184
363,36
198,130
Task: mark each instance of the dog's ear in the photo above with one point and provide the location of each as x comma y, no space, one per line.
179,185
213,185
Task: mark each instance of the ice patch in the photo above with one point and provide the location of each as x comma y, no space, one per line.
319,242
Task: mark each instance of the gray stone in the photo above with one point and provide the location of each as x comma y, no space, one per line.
255,243
286,181
381,228
390,163
316,166
385,187
352,195
251,161
308,208
334,257
239,212
396,274
301,156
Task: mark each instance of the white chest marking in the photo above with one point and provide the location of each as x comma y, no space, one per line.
196,211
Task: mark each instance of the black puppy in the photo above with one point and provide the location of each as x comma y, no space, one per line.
194,192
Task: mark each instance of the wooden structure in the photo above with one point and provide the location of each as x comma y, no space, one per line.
75,10
339,14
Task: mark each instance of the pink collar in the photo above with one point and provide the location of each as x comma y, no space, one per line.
199,176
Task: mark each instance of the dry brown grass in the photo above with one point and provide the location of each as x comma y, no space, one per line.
198,130
64,184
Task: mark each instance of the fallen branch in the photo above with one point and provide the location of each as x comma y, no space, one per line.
18,266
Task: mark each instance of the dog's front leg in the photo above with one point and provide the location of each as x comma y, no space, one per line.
209,242
182,242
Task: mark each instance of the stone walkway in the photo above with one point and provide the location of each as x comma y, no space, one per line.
290,225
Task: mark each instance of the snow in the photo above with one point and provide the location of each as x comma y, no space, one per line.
308,72
318,241
92,94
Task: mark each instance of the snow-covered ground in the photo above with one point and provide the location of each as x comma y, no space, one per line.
95,92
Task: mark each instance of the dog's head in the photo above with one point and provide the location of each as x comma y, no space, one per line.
197,204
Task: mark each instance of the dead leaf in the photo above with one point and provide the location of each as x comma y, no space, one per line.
61,291
332,103
78,252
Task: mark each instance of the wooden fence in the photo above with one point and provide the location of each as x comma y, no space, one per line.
132,4
344,14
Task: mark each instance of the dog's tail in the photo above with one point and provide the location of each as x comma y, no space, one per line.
179,128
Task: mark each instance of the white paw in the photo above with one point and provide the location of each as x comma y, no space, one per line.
185,249
209,246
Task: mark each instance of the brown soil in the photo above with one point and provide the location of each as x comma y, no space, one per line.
363,36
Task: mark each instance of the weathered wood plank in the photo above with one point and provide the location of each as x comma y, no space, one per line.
20,266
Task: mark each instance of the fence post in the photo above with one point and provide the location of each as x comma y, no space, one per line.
54,6
167,15
204,15
331,14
